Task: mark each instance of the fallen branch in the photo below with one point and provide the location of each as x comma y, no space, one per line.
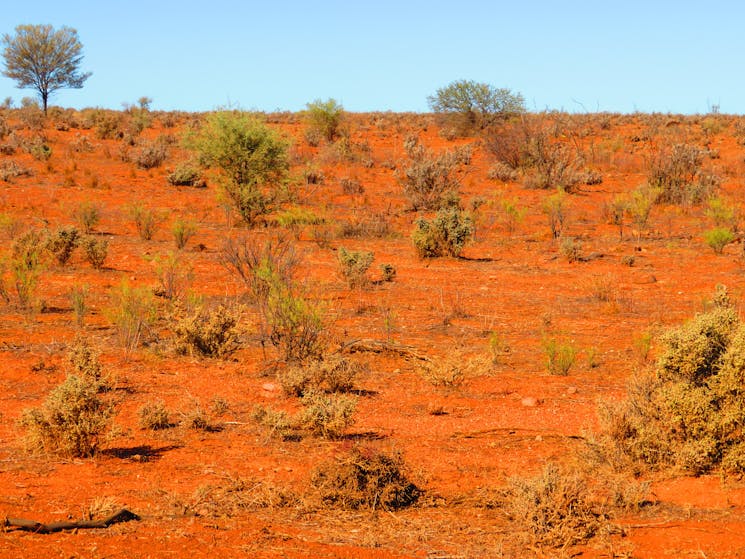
379,346
32,526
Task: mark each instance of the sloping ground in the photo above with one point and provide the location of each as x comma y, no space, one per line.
508,417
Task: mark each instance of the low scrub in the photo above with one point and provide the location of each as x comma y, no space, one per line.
209,332
445,235
353,266
687,414
365,479
330,374
72,421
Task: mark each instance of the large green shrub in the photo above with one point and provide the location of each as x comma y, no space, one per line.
251,157
468,105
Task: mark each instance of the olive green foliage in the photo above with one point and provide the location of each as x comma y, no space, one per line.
718,238
132,313
556,208
62,243
353,266
445,235
325,117
96,250
689,413
44,59
251,157
472,106
186,173
365,479
26,264
72,421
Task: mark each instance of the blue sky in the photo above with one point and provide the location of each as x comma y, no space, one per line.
620,56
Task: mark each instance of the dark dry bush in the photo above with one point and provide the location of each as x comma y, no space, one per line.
365,478
154,416
446,235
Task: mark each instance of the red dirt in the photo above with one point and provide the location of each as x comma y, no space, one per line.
519,286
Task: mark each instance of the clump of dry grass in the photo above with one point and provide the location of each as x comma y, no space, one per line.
331,374
209,332
73,421
154,416
555,509
365,478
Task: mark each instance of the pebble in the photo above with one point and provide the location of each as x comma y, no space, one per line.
269,386
529,402
572,390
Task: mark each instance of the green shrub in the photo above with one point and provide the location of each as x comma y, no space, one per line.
324,118
132,313
62,243
26,265
174,275
556,208
560,356
96,250
146,220
446,235
71,422
353,265
252,158
183,230
296,218
186,174
718,238
467,105
365,479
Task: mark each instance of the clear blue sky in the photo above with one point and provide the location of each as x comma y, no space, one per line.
667,56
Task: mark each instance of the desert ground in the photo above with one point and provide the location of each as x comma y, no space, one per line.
453,381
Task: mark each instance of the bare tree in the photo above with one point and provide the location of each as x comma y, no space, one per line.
43,59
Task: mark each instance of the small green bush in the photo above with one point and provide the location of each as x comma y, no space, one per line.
96,250
556,208
87,215
154,416
353,266
718,238
446,235
560,356
324,118
183,230
62,243
146,220
688,413
186,174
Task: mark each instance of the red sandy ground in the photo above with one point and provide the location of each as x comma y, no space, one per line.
519,286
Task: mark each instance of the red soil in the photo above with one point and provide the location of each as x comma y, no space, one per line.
518,286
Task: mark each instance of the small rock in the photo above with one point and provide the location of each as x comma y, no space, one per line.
269,386
529,402
572,390
396,371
